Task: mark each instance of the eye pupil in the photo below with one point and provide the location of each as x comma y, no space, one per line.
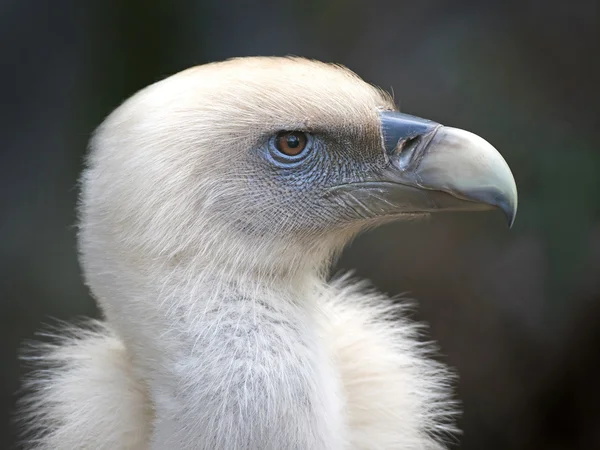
291,143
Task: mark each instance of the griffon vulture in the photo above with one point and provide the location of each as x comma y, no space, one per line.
212,205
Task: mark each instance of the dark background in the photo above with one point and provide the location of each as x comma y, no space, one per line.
517,312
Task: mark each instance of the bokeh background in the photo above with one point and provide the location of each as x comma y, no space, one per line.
517,313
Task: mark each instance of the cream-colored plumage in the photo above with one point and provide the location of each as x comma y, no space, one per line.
208,258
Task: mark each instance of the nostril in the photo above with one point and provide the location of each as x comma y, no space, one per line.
409,143
405,151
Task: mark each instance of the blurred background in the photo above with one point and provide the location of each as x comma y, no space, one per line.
516,313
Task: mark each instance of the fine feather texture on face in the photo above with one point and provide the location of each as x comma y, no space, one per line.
186,163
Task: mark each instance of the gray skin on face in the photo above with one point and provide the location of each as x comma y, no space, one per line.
332,157
408,166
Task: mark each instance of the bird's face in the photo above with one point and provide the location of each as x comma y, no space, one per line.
289,151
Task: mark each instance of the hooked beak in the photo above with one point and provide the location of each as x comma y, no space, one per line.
435,168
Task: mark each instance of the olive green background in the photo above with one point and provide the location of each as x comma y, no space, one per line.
517,313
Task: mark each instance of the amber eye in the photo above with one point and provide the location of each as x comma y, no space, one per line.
291,143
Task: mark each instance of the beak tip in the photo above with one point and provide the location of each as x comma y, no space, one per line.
510,215
500,200
508,206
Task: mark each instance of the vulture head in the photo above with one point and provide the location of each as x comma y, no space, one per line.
211,205
270,165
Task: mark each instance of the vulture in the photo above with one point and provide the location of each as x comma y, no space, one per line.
212,206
